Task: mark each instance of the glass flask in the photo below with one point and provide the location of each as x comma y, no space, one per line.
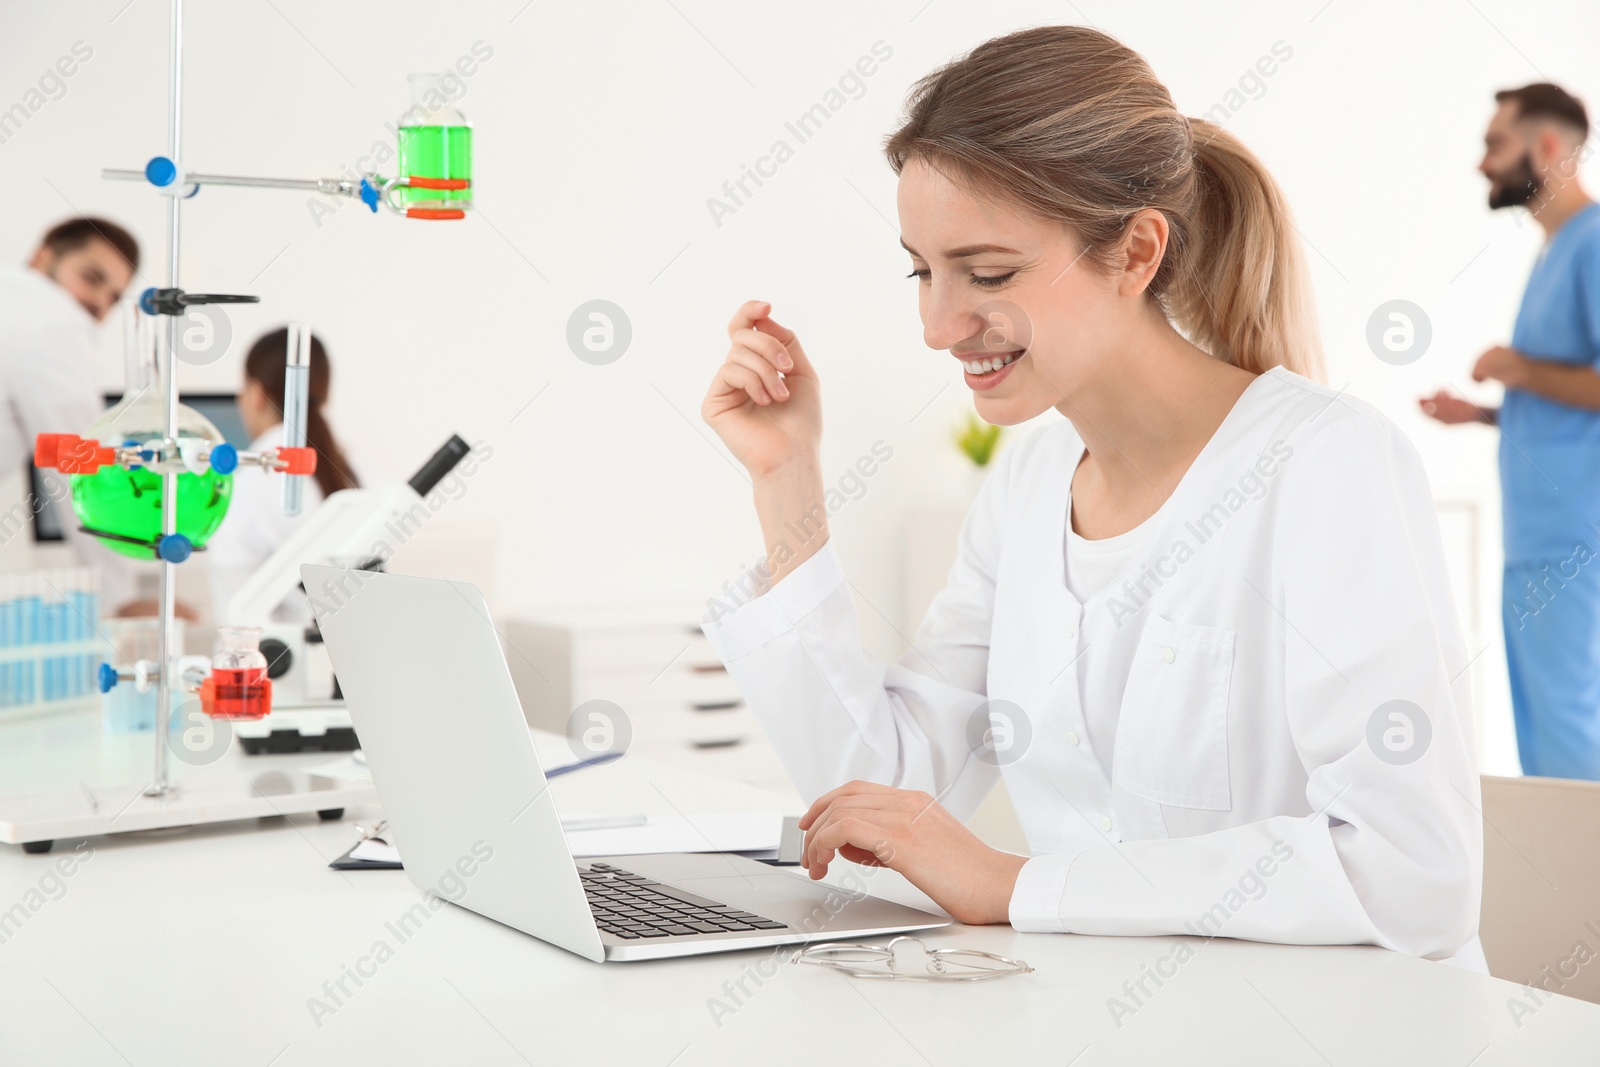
238,686
122,507
435,141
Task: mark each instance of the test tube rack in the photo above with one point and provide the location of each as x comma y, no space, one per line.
48,647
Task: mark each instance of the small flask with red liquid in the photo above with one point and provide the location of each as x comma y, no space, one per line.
238,686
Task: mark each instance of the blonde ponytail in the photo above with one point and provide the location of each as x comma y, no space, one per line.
1240,289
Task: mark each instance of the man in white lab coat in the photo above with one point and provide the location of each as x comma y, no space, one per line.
50,311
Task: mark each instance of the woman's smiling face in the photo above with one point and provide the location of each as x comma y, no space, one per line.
1012,294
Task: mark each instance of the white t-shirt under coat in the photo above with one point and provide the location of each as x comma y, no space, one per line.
1092,565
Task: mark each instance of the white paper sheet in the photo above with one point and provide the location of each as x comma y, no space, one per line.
377,850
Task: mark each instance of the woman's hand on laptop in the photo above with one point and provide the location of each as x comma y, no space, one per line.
908,831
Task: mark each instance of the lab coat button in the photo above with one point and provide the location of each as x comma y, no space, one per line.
1105,824
1072,737
1072,633
1168,655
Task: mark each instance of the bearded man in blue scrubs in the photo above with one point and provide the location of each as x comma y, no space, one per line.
1549,434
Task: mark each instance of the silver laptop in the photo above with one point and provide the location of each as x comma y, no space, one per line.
427,685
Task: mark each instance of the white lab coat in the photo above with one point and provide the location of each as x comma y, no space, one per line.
1291,586
254,528
49,384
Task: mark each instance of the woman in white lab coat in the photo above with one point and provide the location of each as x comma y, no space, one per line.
256,524
1201,626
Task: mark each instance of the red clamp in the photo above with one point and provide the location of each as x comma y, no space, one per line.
439,183
84,457
434,213
297,460
71,454
47,446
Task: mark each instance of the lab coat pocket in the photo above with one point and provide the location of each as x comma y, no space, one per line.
1172,738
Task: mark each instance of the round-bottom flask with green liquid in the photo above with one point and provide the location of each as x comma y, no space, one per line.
122,507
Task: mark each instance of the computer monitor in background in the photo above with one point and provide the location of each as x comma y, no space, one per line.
221,408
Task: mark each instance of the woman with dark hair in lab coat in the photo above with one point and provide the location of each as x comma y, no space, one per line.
1201,626
256,525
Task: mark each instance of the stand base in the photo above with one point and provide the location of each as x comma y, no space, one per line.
36,822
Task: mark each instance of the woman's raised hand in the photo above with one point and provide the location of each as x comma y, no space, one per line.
765,402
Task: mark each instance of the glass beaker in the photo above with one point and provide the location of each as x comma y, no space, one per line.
122,507
238,686
435,144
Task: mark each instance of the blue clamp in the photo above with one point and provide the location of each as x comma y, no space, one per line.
174,548
146,301
369,195
107,678
161,171
224,458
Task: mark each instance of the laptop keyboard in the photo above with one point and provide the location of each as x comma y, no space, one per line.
631,906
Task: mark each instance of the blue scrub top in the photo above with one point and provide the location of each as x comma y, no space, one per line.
1550,452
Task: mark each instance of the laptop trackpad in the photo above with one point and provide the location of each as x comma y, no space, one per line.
816,907
757,889
730,879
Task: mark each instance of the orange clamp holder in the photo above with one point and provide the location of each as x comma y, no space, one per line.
47,447
439,183
79,456
434,213
297,460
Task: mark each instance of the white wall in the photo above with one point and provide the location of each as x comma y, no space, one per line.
603,128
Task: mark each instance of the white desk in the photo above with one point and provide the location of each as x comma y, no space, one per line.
204,947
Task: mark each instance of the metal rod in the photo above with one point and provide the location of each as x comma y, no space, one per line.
314,185
296,397
160,784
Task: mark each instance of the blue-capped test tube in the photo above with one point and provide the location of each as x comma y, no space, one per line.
28,609
7,591
86,616
296,395
50,620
